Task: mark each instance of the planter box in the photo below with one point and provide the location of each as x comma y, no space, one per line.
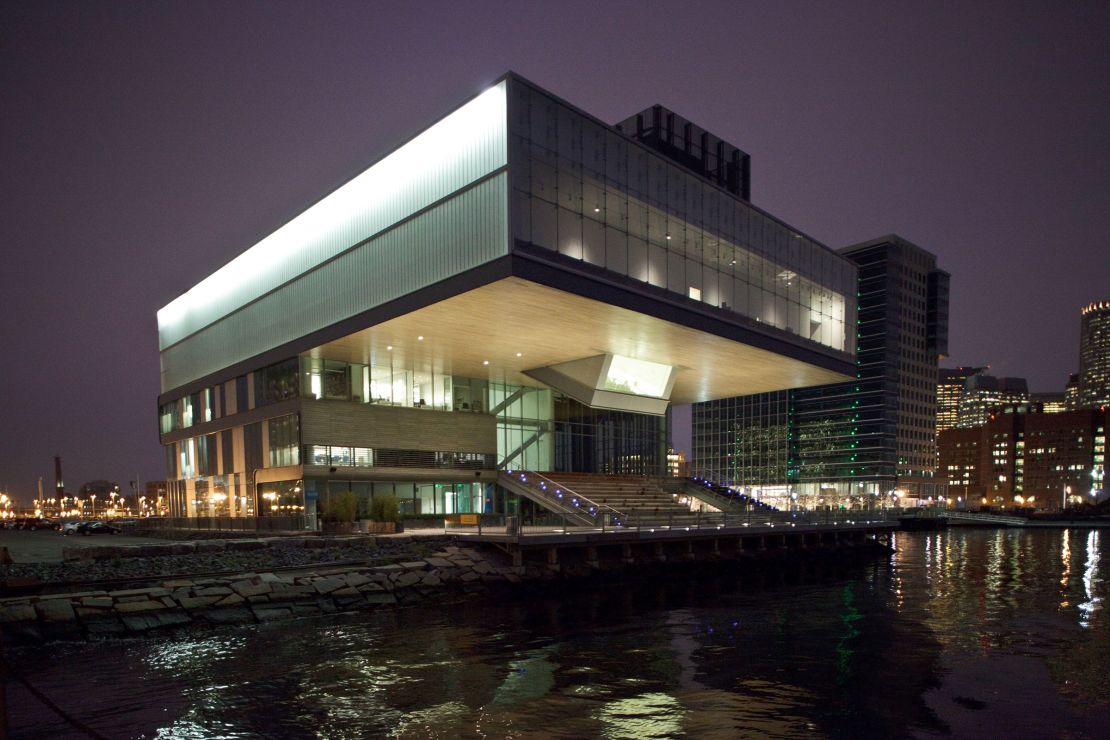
382,527
338,527
425,522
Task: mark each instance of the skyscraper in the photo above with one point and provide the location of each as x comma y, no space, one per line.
950,389
1094,355
1071,392
983,393
858,440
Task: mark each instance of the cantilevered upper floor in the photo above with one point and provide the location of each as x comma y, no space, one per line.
519,238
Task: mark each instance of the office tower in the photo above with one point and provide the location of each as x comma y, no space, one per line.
1094,355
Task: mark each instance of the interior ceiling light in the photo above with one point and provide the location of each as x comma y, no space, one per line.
389,347
519,354
485,362
420,338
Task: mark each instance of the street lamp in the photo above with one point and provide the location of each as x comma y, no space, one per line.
1067,492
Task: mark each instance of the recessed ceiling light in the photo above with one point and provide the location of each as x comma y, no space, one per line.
389,347
420,338
519,354
485,362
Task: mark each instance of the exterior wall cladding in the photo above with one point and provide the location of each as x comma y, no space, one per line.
863,438
655,209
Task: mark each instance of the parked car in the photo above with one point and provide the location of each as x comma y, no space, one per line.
70,527
33,523
88,528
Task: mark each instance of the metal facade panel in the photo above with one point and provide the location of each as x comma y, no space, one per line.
460,149
458,234
369,425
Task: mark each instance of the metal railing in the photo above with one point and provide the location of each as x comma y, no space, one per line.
562,498
717,494
565,523
984,518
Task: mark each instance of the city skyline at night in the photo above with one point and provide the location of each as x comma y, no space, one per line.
148,144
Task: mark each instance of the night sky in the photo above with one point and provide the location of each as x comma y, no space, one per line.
146,144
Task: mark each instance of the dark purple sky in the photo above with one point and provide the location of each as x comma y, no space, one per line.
145,144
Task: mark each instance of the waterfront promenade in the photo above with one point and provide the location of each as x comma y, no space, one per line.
162,586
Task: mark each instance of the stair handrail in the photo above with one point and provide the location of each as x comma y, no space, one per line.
733,495
540,483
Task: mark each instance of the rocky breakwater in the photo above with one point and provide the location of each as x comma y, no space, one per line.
249,597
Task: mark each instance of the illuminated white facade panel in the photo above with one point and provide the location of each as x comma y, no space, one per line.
463,147
463,232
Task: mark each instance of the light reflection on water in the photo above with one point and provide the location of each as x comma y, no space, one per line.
1090,580
956,630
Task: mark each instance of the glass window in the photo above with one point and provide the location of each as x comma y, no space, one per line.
544,220
276,383
285,440
167,417
336,380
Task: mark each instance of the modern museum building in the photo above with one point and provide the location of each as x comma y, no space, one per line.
519,286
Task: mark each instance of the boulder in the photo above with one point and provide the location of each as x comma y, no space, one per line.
327,585
270,613
148,605
249,588
228,616
16,613
55,610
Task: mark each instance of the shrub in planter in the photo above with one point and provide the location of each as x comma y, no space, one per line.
384,509
339,512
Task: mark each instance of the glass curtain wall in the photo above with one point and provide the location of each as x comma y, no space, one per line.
416,497
590,193
524,426
589,440
392,384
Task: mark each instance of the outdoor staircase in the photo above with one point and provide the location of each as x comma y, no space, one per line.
636,499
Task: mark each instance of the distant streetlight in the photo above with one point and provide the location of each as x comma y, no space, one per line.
1067,492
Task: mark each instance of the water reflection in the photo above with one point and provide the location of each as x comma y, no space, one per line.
957,629
1090,580
1065,557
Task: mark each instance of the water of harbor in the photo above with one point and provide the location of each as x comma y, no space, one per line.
965,633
